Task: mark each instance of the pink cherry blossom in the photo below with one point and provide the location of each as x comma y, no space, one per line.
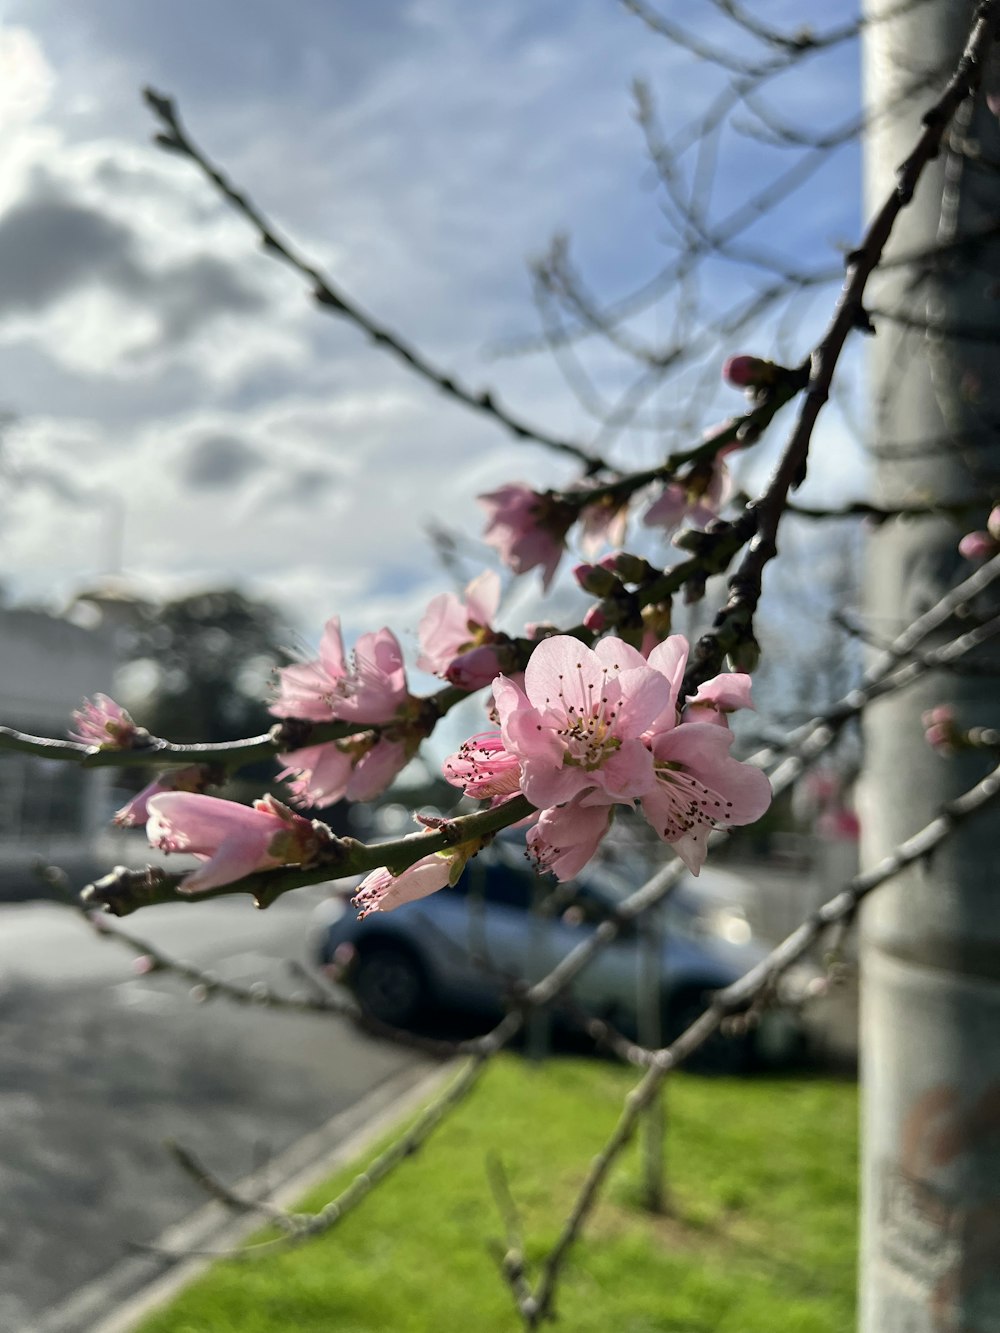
527,528
484,768
100,721
381,891
359,768
700,786
136,811
370,688
451,626
696,501
578,722
592,728
603,523
233,840
719,697
567,836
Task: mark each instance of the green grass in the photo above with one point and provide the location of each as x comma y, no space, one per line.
761,1235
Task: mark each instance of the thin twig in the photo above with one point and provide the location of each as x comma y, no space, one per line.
336,301
733,625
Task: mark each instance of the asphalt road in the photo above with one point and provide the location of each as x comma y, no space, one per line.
99,1066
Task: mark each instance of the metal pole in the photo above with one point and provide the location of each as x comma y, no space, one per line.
930,1003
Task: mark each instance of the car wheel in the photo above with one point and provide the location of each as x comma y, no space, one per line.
719,1054
390,985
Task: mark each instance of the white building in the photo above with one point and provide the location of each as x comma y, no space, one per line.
47,667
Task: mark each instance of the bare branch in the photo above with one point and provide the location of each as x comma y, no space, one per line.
733,625
175,138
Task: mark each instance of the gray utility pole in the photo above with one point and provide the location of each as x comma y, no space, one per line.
931,940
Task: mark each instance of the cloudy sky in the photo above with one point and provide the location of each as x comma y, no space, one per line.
160,369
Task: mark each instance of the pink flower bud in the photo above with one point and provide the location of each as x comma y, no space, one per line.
595,579
474,669
595,620
977,546
747,372
232,840
102,722
941,730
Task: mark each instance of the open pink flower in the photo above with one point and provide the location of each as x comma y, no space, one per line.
695,501
527,528
719,697
603,523
579,721
100,721
381,891
370,688
233,840
484,768
451,625
567,836
359,768
699,786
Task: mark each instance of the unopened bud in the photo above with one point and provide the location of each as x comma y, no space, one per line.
748,372
993,523
628,567
595,579
690,539
941,731
474,669
595,620
978,546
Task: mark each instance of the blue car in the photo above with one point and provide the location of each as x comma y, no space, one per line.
465,948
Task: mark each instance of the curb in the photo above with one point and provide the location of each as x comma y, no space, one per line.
141,1284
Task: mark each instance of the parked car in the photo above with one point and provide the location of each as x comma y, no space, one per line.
465,948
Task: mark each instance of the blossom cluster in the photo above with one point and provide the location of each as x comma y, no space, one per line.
591,729
369,688
594,728
528,528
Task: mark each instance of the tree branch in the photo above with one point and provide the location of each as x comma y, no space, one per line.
175,138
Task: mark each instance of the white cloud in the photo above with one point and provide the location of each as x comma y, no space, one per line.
26,77
420,157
